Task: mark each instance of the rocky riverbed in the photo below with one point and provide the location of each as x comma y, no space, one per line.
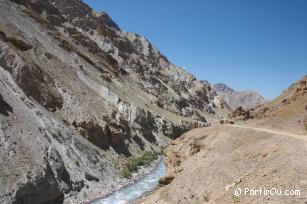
136,188
98,191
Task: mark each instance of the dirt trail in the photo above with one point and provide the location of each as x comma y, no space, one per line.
208,164
276,132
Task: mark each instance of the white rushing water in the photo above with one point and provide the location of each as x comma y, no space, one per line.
138,189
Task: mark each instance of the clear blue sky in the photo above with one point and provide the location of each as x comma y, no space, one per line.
247,44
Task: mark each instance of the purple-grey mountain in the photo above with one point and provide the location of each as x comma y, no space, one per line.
245,99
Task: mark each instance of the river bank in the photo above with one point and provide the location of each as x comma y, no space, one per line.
98,190
136,190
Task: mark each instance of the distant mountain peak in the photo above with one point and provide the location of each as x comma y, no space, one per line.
246,99
222,87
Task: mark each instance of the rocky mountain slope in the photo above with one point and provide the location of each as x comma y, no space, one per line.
207,165
288,111
78,96
245,99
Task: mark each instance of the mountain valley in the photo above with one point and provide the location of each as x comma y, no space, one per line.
87,108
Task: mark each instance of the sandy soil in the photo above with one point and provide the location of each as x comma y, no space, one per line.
209,164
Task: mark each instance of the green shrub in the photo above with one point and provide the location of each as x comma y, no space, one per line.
134,163
126,173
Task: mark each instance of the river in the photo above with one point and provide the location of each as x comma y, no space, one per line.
136,190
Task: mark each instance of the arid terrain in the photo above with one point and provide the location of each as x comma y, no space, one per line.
80,97
287,112
86,107
206,165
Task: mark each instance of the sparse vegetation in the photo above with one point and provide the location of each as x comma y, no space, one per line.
134,163
206,196
235,199
162,150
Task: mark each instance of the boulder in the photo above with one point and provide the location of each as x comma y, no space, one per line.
96,134
5,108
90,177
166,180
241,114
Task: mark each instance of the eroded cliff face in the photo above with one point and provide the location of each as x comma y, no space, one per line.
79,95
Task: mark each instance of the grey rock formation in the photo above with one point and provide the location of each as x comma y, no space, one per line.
245,99
78,96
